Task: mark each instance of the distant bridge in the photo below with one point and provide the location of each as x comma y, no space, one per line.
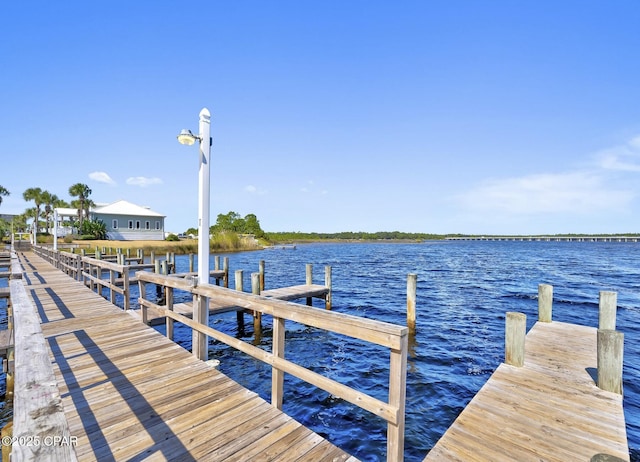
548,238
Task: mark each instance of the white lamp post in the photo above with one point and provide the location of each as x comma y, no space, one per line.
201,304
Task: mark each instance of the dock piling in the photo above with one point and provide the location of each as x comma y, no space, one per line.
327,283
515,333
545,302
240,288
412,282
610,357
261,273
607,315
309,281
257,315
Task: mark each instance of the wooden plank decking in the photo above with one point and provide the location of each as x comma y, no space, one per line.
548,410
131,394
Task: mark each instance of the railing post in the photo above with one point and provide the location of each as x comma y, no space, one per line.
225,268
169,320
397,398
112,283
277,376
515,333
142,287
125,287
78,267
607,314
545,302
412,282
610,358
199,345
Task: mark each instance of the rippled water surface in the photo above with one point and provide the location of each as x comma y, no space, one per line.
464,290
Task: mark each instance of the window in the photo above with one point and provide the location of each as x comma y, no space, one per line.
157,225
130,224
147,225
114,224
137,224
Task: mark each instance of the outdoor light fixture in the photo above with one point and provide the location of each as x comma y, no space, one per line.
186,137
200,302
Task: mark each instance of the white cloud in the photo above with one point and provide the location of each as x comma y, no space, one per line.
253,190
142,181
101,177
573,192
624,158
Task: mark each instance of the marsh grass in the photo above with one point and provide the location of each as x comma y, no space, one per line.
227,242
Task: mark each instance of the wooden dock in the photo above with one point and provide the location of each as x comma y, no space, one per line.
548,410
129,393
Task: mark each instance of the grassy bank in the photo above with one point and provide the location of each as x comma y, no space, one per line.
182,247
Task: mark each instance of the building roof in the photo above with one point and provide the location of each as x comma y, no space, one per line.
66,212
123,207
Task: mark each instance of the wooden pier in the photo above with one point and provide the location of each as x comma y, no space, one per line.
123,391
549,409
119,390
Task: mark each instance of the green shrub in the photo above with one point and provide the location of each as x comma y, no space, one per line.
172,237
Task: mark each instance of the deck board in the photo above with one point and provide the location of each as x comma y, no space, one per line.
131,394
550,409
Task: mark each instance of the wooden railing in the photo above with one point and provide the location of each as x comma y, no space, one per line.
99,274
392,336
39,423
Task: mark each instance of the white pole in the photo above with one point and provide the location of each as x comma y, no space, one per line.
55,229
203,194
201,304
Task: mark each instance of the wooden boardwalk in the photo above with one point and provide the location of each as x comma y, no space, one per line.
548,410
129,393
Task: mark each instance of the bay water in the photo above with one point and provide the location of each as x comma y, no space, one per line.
464,290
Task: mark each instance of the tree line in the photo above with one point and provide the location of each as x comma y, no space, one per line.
349,236
233,222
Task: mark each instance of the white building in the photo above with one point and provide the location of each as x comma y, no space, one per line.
124,221
129,222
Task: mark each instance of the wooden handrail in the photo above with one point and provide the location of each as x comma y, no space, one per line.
392,336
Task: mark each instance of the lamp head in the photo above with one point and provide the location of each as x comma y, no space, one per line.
186,137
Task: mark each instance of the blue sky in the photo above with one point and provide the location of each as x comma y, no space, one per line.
483,117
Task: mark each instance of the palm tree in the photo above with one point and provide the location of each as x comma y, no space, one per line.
35,195
50,201
82,192
3,192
